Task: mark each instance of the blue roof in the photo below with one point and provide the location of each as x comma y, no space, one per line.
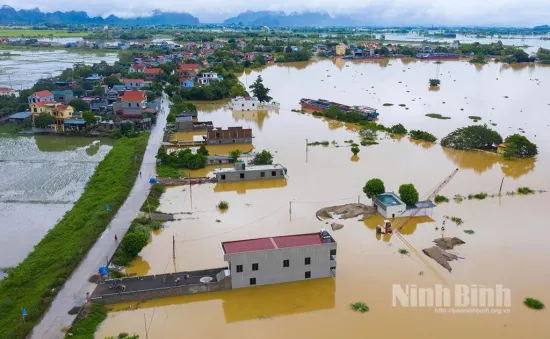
20,115
65,92
74,122
119,87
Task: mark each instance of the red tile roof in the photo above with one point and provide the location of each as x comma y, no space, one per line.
44,93
133,96
133,80
6,89
263,244
189,67
153,71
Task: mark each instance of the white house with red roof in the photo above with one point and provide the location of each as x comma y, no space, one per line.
40,96
7,92
132,104
134,83
137,68
188,70
280,259
152,73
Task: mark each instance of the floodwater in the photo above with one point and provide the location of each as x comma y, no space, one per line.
23,68
509,246
41,178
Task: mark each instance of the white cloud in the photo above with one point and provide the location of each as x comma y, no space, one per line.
397,12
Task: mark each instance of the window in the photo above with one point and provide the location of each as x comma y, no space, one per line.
233,140
273,173
223,177
241,175
308,274
252,281
243,105
252,105
286,263
129,104
333,252
255,266
217,135
308,261
262,174
239,268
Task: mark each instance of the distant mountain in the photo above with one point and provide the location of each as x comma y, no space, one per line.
269,18
8,15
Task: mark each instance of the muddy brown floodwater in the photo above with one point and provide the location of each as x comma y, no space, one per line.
509,247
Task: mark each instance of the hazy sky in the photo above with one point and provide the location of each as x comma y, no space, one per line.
397,12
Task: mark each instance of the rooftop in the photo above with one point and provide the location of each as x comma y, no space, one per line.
42,94
273,243
184,119
389,199
20,115
75,122
133,96
153,71
251,168
134,80
422,204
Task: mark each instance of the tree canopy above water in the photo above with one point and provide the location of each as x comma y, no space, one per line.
472,137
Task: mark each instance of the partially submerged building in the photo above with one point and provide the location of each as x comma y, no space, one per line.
241,172
390,206
186,124
280,259
232,135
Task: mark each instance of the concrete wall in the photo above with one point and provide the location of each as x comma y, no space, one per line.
222,282
249,175
232,135
389,211
270,265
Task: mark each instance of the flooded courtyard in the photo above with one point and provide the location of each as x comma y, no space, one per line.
42,177
509,246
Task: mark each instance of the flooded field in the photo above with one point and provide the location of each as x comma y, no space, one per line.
509,246
25,67
41,177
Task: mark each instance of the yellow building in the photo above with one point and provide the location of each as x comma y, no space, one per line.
59,111
340,49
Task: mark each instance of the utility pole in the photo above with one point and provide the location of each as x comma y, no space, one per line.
174,247
358,198
145,323
500,190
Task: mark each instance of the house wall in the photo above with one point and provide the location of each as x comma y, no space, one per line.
186,126
270,265
134,84
249,175
232,135
32,99
389,211
245,105
64,98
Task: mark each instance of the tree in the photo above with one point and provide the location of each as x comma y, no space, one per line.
434,82
408,194
111,81
472,137
134,242
238,91
202,150
519,146
89,118
260,91
44,120
98,90
128,130
398,129
263,158
260,59
234,154
374,187
355,150
79,105
478,59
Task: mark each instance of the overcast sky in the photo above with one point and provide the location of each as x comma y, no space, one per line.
382,12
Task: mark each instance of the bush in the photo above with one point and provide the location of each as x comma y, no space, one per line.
403,251
533,303
133,243
480,196
359,307
519,146
387,104
62,249
355,150
525,190
437,116
262,158
422,135
223,205
474,118
374,187
408,194
167,171
153,200
398,129
440,199
182,159
469,232
458,221
435,82
472,137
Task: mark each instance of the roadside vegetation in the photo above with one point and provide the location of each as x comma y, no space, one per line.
87,323
35,282
153,200
182,159
135,240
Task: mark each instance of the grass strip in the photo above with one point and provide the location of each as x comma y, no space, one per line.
34,282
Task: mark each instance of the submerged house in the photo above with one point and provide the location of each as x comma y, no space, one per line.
241,172
280,259
390,206
232,135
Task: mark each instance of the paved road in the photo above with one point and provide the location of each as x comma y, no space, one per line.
74,291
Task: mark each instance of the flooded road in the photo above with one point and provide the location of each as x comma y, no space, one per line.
23,68
509,246
41,177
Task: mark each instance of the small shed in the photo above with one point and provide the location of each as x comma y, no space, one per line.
19,117
74,124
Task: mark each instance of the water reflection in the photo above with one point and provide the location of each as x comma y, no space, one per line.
242,187
410,227
259,302
354,158
424,144
210,106
480,162
252,116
